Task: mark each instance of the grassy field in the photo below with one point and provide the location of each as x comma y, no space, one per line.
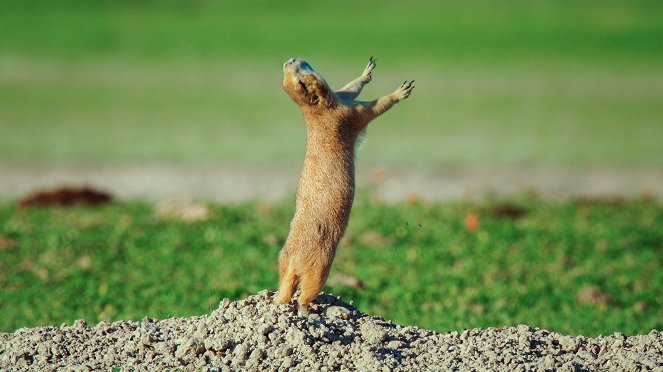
578,267
561,83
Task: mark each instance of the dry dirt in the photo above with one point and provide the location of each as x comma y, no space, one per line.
160,182
253,334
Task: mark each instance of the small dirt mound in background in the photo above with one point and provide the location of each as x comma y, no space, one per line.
253,334
66,196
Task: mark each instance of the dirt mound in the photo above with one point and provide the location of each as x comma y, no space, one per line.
253,334
66,196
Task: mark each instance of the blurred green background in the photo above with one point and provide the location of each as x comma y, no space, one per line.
541,84
519,83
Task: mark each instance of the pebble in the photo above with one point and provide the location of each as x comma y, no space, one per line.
337,312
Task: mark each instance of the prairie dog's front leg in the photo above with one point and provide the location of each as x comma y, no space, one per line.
382,104
352,89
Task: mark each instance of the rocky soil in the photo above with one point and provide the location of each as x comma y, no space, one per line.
253,334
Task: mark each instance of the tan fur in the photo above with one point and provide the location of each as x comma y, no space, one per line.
326,188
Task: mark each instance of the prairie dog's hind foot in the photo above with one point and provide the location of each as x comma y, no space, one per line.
404,90
286,299
303,309
280,299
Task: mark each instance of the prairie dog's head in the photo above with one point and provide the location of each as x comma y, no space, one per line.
305,86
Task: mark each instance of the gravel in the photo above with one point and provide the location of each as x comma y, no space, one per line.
252,334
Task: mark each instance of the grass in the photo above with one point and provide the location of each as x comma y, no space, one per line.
577,267
560,83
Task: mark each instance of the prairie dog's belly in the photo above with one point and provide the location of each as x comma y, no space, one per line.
325,193
326,182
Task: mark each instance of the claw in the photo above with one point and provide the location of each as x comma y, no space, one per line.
406,89
371,63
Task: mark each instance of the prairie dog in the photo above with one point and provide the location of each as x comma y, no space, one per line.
326,187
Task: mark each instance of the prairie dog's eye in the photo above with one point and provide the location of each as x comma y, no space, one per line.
303,85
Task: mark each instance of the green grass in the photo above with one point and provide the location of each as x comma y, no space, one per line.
559,83
420,264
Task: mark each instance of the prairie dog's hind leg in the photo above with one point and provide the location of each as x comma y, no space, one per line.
311,284
287,281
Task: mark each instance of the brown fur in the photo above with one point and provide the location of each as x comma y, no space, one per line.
326,188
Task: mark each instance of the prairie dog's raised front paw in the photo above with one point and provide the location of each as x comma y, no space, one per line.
404,90
368,71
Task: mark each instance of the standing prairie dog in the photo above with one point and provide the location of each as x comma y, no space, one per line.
326,187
